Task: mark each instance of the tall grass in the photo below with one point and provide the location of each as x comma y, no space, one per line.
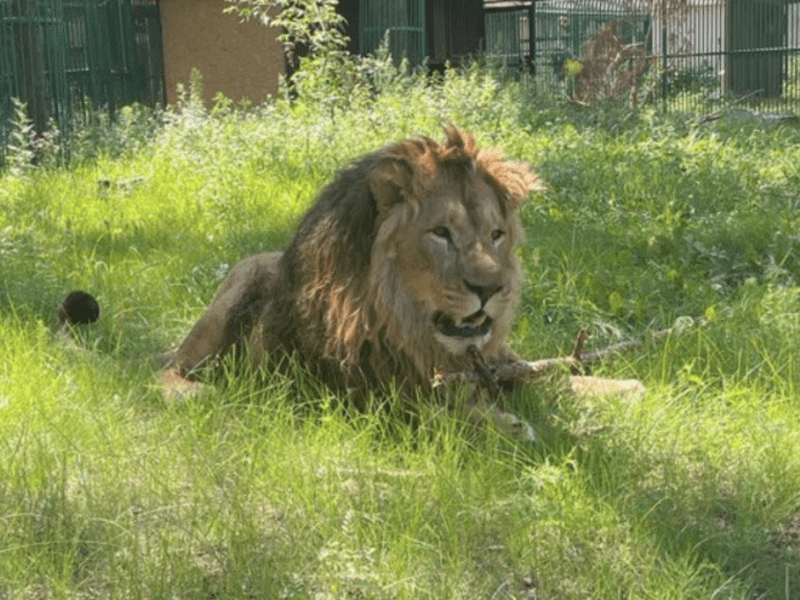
270,487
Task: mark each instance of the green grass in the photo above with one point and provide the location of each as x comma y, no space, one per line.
269,487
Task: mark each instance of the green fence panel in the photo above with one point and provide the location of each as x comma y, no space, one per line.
703,53
541,36
508,34
32,59
404,20
66,57
147,29
757,29
743,51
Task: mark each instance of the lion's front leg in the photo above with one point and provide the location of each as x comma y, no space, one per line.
480,401
228,322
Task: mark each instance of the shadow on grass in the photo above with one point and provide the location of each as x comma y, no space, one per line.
687,514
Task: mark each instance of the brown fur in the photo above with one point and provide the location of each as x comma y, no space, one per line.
609,68
356,294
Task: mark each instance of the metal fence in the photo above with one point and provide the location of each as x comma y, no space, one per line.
692,55
62,57
403,20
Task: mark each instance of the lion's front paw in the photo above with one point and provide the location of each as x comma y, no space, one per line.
513,426
177,387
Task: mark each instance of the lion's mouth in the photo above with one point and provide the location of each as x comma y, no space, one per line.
477,324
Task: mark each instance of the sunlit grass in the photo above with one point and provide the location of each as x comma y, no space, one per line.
270,487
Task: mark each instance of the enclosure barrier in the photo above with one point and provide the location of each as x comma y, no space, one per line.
64,58
403,20
699,53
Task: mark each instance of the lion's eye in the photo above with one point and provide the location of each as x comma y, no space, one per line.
497,234
442,232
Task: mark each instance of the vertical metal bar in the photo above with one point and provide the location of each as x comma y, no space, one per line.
5,78
421,33
91,52
664,53
532,38
133,88
56,38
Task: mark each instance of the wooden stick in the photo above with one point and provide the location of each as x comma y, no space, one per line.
495,377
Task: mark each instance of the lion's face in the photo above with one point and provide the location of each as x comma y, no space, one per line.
454,265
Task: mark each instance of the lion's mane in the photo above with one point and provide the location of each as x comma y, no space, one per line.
337,301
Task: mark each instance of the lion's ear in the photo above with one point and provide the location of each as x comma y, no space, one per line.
390,183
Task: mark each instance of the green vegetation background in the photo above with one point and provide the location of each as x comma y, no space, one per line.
276,491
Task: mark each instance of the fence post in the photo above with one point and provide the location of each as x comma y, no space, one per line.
30,47
664,63
532,38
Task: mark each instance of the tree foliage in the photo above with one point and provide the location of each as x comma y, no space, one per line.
309,24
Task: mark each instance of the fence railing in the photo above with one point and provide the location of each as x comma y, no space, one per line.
709,52
61,57
403,20
65,56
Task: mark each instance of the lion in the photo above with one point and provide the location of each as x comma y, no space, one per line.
402,264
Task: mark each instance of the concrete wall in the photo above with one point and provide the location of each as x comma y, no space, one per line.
241,60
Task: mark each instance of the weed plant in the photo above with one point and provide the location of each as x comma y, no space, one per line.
269,486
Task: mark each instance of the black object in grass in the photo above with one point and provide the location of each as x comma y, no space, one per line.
78,308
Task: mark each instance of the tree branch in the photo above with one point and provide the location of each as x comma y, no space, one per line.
495,377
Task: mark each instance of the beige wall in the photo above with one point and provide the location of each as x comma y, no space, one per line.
241,60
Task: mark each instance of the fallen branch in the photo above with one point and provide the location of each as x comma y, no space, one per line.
752,116
507,374
522,370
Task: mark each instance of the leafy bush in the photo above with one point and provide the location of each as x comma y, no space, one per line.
699,79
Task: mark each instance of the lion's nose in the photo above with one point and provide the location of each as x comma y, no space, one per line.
484,292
